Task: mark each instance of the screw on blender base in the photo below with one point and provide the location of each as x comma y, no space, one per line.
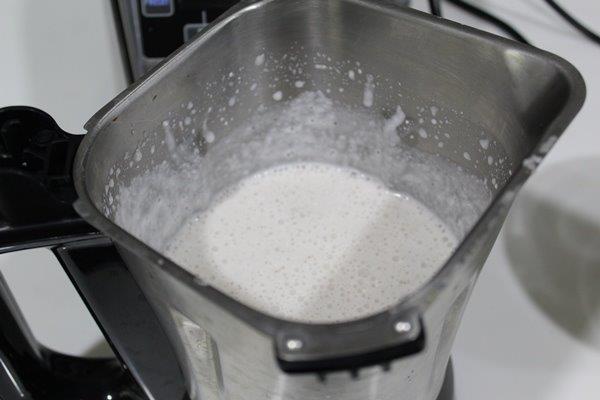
402,326
294,344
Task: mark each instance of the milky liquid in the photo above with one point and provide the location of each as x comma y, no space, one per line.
313,242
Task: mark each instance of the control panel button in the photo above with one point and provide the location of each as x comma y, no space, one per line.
190,30
157,8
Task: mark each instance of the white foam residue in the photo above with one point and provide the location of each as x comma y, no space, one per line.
484,143
231,101
320,66
299,84
259,60
190,105
547,144
278,95
490,160
532,162
351,75
209,136
187,121
423,133
467,156
368,92
137,155
392,123
169,139
434,110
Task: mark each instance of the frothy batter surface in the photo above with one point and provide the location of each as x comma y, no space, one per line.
313,242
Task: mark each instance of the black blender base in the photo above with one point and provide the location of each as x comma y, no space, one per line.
447,391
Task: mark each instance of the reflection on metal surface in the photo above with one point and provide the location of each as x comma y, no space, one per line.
6,371
553,242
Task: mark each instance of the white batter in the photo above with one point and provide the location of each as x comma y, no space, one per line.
314,243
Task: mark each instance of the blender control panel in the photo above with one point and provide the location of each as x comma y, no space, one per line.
167,24
153,29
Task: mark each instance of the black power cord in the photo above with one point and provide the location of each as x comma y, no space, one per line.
478,12
434,6
576,24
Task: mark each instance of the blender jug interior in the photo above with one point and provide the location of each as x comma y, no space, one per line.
455,118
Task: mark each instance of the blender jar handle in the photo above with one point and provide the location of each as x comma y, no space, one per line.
36,196
36,187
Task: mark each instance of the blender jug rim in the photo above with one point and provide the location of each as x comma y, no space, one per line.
383,326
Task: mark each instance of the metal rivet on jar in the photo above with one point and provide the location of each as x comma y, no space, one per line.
402,326
294,344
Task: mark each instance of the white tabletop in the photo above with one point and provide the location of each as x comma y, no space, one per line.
532,328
